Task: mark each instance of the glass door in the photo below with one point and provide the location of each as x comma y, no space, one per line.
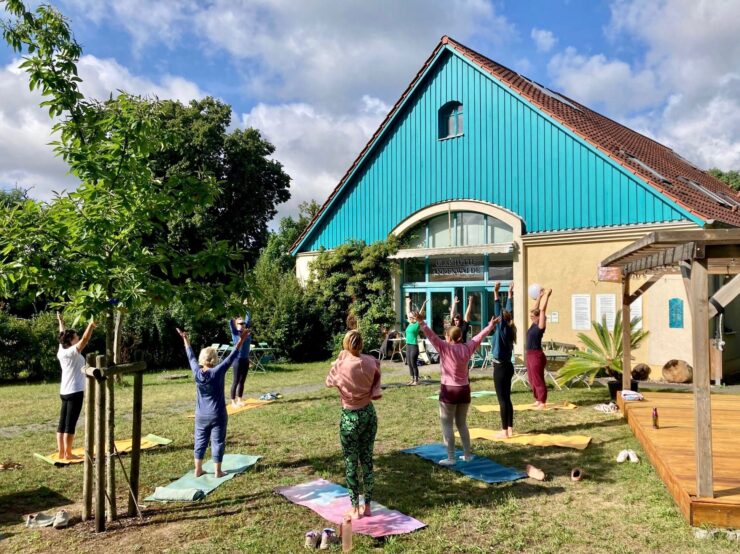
438,309
473,305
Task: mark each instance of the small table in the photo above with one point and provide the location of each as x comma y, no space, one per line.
398,348
555,360
255,357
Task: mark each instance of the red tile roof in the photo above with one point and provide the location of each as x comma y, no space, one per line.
620,143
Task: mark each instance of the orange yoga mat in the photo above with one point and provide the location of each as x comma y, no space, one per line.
526,407
579,442
123,446
249,404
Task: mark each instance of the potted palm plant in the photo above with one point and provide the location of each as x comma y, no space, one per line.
603,353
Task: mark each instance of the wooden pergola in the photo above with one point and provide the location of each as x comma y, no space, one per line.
696,255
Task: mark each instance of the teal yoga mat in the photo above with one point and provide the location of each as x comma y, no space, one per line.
189,487
474,394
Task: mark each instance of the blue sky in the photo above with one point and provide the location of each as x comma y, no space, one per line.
317,76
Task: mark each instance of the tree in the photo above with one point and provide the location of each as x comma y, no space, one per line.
250,184
277,250
95,250
731,177
12,197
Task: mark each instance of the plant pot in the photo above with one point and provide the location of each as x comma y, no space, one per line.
615,386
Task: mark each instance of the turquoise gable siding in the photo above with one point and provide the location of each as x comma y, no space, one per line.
510,154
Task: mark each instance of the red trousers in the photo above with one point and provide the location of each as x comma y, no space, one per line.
536,361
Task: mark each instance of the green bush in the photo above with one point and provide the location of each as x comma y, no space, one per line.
28,347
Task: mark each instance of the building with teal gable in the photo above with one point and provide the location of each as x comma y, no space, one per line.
488,176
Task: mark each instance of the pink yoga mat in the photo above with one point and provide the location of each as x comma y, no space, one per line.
331,501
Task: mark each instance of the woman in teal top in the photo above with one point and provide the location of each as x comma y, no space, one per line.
412,342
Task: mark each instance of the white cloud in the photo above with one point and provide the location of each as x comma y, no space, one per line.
26,159
596,80
315,146
543,39
684,91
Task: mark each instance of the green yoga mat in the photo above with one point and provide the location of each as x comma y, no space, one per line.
189,487
475,394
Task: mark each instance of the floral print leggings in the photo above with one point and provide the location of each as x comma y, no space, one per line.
357,429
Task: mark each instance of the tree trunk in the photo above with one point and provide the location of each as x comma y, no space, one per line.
110,338
118,342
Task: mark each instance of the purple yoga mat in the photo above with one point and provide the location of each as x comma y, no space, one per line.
331,501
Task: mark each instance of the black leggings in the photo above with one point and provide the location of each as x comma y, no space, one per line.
241,368
412,358
503,372
71,408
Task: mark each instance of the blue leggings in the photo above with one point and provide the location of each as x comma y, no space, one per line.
213,428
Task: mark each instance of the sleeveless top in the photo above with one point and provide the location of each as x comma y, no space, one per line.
534,337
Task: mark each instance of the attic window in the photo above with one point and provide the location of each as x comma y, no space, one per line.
712,195
451,120
637,161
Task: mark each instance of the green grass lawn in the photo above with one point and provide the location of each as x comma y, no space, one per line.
617,508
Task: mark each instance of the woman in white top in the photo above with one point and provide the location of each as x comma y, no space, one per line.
72,389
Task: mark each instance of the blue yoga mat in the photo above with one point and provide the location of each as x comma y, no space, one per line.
479,468
189,487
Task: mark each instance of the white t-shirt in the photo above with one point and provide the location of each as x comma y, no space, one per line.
72,362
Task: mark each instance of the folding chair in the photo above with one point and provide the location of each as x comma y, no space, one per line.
520,373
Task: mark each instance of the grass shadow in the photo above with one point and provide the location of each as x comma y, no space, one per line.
17,504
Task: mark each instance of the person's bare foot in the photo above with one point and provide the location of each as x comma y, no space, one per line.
234,404
535,473
415,383
410,383
199,472
219,474
541,407
509,432
73,457
502,434
366,512
354,513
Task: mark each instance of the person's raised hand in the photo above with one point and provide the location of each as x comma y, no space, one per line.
511,287
457,300
497,286
494,320
182,334
92,324
414,316
549,292
245,333
471,299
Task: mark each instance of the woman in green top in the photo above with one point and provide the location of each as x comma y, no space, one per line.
412,341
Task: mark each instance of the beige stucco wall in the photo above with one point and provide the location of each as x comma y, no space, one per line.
572,269
302,263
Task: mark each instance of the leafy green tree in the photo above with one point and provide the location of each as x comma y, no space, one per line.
731,177
12,197
278,246
250,183
93,249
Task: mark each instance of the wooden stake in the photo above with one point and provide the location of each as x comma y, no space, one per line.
100,449
698,294
110,414
136,446
626,334
87,477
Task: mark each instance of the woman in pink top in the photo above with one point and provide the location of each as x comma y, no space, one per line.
454,394
357,376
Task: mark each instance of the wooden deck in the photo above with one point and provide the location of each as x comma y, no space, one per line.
671,451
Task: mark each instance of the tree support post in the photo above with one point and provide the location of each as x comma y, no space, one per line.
87,479
136,446
110,414
100,390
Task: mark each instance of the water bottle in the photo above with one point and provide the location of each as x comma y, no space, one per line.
346,532
655,418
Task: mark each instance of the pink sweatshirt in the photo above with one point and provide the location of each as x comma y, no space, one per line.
357,378
454,356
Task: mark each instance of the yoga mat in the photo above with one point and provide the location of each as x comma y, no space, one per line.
474,394
331,501
249,404
190,487
526,407
579,442
479,468
123,446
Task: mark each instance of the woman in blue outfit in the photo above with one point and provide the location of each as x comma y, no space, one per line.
241,364
210,404
502,343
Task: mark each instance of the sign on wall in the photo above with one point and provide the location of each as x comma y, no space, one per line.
462,268
675,313
606,308
581,312
609,274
